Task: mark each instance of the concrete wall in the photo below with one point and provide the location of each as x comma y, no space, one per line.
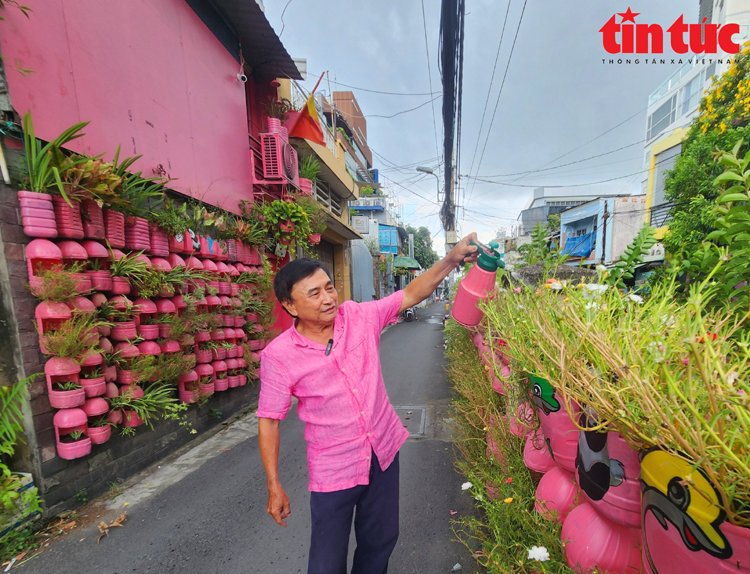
627,221
59,480
363,287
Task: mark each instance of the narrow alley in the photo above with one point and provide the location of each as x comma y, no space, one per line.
207,513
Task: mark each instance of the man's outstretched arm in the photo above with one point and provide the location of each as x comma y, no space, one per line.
421,288
269,439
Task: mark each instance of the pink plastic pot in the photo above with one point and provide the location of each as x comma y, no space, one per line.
148,332
473,288
114,417
58,370
37,214
137,234
256,344
93,220
68,218
608,473
556,494
592,542
41,255
95,407
203,356
114,224
100,435
120,286
536,455
562,437
242,380
124,331
130,419
149,348
101,280
305,186
159,241
180,243
49,317
65,422
187,387
94,387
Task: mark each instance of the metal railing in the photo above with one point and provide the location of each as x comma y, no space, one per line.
660,214
369,202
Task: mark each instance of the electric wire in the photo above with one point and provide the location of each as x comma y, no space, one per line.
429,75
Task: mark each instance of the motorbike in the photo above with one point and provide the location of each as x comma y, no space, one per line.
409,314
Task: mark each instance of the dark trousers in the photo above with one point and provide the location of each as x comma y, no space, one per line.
375,524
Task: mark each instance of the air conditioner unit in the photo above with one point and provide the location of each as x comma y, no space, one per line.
279,159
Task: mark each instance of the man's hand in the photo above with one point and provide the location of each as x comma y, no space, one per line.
278,504
463,251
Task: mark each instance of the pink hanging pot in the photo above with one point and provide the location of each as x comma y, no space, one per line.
68,218
159,241
93,220
37,214
556,494
114,224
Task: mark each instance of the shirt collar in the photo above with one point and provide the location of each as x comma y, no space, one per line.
302,341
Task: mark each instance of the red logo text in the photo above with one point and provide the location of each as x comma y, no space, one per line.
629,37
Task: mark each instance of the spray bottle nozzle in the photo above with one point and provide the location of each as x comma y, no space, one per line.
489,259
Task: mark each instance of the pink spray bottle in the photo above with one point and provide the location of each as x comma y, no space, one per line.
477,285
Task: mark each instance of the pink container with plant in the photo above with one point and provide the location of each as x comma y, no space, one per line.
70,427
64,390
41,255
68,218
124,331
114,224
92,216
37,214
159,241
100,434
130,419
137,233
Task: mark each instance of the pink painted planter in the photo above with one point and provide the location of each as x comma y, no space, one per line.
242,380
68,218
305,186
137,234
124,331
58,370
114,224
203,356
120,286
65,422
94,387
49,315
101,280
473,288
130,419
556,494
93,220
592,542
41,255
684,528
100,435
536,455
148,332
37,214
608,472
159,241
95,407
558,428
187,387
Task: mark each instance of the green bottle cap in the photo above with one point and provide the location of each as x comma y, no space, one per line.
490,259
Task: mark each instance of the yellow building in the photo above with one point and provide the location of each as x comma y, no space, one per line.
333,190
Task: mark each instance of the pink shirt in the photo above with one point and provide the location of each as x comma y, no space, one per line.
342,396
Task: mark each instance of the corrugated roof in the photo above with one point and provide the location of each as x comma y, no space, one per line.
407,262
261,47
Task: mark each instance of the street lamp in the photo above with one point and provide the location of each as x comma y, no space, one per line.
423,169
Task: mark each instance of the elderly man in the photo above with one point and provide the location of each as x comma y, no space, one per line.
329,360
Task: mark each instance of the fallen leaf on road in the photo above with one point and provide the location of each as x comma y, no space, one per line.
453,512
104,527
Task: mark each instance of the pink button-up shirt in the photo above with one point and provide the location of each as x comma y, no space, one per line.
341,396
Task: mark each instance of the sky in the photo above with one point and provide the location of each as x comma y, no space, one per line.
559,102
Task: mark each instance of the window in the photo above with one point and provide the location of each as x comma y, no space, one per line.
664,162
691,94
661,118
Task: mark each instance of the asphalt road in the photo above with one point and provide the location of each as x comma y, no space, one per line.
206,511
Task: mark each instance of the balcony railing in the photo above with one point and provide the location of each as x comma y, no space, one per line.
674,80
369,203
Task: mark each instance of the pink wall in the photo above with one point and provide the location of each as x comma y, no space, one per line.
148,75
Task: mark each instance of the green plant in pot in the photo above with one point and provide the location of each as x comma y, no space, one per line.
170,217
316,216
286,221
43,161
57,283
76,337
309,167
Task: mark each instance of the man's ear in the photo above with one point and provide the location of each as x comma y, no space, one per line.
289,308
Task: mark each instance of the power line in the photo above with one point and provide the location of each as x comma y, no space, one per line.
489,90
423,104
563,164
502,85
384,92
429,74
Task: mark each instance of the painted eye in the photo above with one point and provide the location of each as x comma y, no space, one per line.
537,391
678,493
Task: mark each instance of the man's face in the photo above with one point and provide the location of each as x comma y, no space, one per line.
314,299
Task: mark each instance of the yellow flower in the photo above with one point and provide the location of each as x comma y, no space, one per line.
508,500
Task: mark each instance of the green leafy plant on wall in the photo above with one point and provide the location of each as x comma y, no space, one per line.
13,502
309,168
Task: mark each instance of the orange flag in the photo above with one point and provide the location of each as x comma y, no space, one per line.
306,123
